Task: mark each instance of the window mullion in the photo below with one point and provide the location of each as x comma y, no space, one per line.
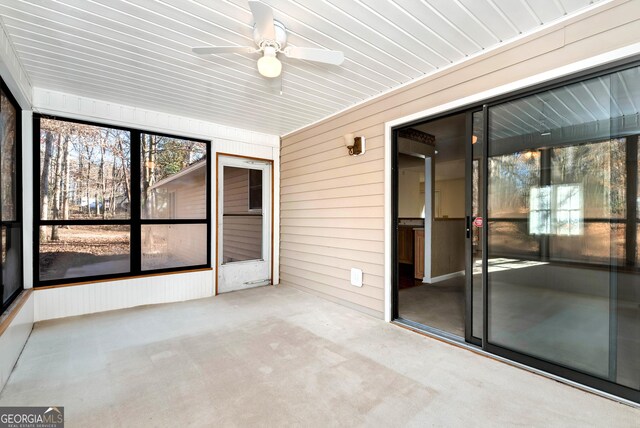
632,200
136,245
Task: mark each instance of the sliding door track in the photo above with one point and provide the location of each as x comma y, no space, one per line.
452,339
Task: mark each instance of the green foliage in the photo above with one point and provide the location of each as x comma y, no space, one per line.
174,155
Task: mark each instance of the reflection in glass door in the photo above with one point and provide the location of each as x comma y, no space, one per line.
562,283
475,228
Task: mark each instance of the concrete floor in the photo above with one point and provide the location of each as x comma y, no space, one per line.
280,357
439,305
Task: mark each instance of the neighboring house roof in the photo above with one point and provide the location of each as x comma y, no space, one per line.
184,173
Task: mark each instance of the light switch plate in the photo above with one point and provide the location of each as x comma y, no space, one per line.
356,277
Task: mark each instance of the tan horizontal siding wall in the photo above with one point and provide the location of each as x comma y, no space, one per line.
191,199
184,244
188,243
236,190
174,245
332,205
242,238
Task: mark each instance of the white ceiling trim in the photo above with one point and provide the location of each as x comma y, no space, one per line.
15,76
56,103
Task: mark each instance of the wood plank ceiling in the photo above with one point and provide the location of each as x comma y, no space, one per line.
138,52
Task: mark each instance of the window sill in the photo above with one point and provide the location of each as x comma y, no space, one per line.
120,278
13,310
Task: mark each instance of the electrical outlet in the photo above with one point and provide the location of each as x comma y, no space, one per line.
356,277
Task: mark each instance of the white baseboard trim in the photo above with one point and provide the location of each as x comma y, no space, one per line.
442,277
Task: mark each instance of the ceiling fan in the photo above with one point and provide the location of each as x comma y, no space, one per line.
270,37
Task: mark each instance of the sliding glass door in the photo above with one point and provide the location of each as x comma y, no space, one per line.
563,288
551,258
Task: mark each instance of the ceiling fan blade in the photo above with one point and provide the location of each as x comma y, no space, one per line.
204,50
263,17
313,54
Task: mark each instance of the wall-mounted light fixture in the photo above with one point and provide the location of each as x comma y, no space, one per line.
356,145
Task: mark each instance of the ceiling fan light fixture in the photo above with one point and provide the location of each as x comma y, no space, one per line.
269,65
270,38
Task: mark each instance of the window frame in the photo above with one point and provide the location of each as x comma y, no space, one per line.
135,222
19,220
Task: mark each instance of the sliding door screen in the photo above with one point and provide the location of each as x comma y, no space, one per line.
563,281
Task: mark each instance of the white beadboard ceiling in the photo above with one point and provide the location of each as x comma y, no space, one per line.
138,52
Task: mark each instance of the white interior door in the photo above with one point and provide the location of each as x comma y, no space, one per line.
244,223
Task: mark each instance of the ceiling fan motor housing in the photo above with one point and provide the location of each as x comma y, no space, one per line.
281,37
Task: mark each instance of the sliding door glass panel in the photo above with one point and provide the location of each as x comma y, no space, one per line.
561,287
242,215
554,311
477,143
625,102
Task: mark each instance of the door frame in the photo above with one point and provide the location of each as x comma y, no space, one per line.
217,199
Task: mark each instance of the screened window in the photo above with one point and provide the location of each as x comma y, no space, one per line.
10,198
173,188
93,222
85,200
